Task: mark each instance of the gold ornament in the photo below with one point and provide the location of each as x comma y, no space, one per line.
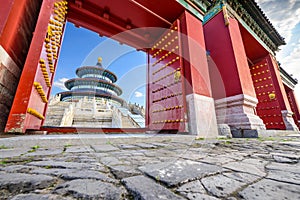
99,60
177,76
272,96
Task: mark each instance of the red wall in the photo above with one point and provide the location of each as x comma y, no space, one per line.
18,30
241,58
194,52
5,9
227,52
17,23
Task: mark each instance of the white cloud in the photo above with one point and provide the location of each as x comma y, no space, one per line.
61,83
285,17
138,94
283,14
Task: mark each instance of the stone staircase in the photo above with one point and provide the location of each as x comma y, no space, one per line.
87,114
55,113
84,118
122,117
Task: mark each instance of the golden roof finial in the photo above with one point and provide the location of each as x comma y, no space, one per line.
99,59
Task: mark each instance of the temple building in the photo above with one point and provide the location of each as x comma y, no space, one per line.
93,102
211,65
93,82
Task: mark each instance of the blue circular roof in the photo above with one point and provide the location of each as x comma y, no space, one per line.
96,70
93,82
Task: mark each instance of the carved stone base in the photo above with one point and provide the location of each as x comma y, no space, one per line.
201,115
239,112
288,120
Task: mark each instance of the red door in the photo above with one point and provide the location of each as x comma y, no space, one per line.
30,103
268,108
166,94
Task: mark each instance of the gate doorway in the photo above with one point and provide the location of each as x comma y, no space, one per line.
104,94
166,108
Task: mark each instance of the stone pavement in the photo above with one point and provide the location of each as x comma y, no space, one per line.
87,166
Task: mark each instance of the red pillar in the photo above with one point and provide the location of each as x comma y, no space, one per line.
17,23
9,70
229,71
294,106
200,104
26,96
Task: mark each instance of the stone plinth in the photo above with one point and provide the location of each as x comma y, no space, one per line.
288,120
201,115
238,112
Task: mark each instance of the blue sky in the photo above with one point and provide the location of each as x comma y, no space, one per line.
82,47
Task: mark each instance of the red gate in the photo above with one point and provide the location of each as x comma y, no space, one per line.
166,101
166,94
30,103
268,108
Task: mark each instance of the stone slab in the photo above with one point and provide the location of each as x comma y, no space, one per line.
127,146
285,157
144,188
291,143
257,162
242,177
282,159
159,144
124,171
293,168
198,196
194,191
245,167
9,153
217,159
220,185
89,189
179,171
70,174
79,149
284,176
104,148
40,197
18,168
110,161
45,152
146,146
60,164
192,156
270,190
193,187
18,182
